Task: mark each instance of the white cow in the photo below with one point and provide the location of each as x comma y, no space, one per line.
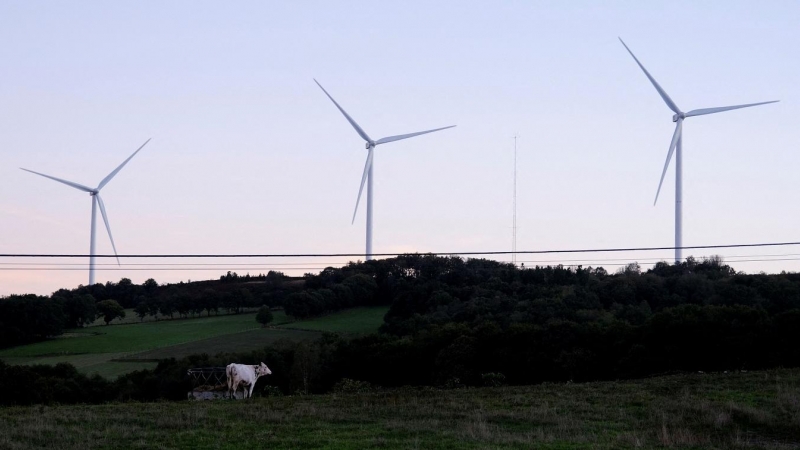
245,376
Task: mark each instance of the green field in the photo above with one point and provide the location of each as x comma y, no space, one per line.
114,350
757,410
136,337
239,342
356,321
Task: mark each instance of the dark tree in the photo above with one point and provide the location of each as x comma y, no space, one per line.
210,300
141,310
150,287
79,309
363,288
109,310
168,305
264,316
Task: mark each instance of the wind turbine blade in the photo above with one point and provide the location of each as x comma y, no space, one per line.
363,179
68,183
675,137
661,91
347,116
406,136
704,111
108,227
111,175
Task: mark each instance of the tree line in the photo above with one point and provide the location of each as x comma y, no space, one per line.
29,318
684,338
456,322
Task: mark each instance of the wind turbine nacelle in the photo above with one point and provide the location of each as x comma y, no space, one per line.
370,144
678,116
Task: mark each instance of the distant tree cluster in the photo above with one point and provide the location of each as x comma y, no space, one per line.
61,384
28,318
325,294
130,295
178,300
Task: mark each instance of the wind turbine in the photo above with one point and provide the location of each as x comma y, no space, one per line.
96,201
368,175
676,146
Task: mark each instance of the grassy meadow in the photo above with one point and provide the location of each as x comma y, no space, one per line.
238,342
757,410
117,349
136,337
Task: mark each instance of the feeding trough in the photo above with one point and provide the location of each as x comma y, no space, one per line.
208,383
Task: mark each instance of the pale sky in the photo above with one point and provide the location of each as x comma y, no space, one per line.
249,156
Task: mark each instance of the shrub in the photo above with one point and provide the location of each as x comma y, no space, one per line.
271,391
453,383
493,379
350,386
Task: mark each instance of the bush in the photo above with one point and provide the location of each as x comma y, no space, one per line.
493,379
453,383
271,391
350,386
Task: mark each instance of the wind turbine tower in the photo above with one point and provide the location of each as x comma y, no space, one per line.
676,146
96,201
368,174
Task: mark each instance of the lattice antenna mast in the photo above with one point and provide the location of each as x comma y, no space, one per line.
514,223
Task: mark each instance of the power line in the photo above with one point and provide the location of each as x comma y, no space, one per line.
169,264
341,255
726,261
186,269
317,265
302,265
725,257
576,263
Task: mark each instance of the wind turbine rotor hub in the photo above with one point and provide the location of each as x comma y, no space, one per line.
370,144
678,116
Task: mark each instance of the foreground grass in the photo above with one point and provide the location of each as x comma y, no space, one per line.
743,410
360,320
